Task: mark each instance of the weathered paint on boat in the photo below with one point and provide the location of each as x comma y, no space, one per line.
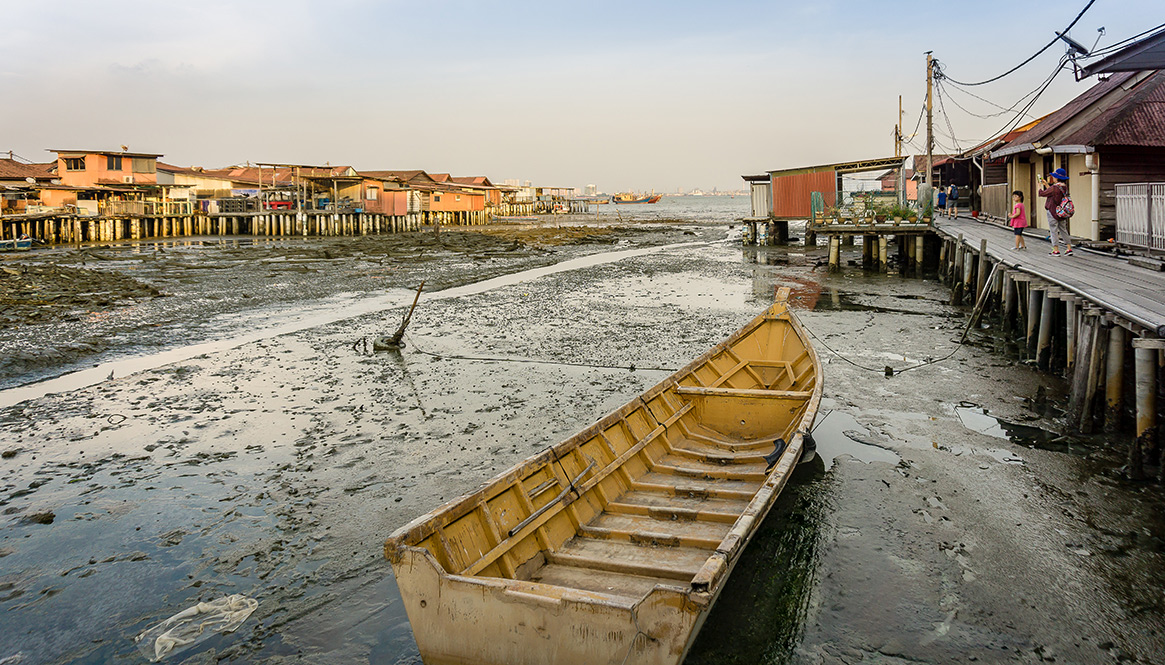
612,546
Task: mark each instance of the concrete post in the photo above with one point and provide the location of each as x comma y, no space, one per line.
1114,375
1145,352
883,263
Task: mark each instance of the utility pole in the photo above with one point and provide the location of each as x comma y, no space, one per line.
898,130
929,121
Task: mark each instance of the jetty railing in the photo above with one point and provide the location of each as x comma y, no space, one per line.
1140,215
145,208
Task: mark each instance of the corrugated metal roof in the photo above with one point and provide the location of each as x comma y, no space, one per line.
119,153
1145,53
1138,119
1065,113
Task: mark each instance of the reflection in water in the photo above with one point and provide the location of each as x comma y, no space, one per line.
760,614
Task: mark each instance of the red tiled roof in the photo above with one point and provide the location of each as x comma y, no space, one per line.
10,169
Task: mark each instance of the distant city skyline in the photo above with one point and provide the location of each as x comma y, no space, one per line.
629,96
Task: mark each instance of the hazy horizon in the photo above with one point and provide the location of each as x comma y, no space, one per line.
623,96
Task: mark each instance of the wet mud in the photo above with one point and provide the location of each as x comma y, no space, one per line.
276,467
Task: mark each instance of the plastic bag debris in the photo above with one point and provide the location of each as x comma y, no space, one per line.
193,625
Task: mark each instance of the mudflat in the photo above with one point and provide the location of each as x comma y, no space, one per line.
932,527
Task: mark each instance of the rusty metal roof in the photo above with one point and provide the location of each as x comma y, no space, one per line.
10,169
1058,118
1136,120
1145,53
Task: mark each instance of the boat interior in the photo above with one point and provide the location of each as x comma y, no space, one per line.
645,496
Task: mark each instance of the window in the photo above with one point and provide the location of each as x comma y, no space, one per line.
144,165
437,198
113,162
458,197
74,163
371,195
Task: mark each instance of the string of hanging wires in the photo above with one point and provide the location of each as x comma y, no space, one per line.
1034,56
941,78
985,116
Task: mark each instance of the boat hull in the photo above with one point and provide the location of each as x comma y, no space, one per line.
654,504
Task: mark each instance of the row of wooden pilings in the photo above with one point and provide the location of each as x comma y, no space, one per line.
456,218
73,229
1086,342
915,250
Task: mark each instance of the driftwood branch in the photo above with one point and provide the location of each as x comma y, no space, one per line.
396,340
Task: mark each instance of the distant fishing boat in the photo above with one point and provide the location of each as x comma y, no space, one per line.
628,197
612,546
23,243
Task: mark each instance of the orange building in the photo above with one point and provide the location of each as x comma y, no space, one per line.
90,168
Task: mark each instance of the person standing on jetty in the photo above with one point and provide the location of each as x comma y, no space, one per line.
953,201
1018,219
1055,189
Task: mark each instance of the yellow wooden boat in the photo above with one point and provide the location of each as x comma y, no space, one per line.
612,546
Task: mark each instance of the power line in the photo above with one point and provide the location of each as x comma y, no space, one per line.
987,116
1112,47
947,118
1037,53
1034,94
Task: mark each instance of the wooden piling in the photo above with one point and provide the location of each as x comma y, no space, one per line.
1095,373
834,253
883,260
1034,306
1044,342
981,279
1072,324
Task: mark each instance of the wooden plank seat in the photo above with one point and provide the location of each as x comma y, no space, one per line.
657,530
624,586
680,465
677,507
679,563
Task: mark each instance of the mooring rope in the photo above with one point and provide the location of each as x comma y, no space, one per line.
631,368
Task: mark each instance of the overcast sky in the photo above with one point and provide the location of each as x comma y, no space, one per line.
625,95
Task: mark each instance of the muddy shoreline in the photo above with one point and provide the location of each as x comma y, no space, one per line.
275,468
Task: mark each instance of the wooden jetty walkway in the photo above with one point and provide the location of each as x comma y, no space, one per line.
1080,314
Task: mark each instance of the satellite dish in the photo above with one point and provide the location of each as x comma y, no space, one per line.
30,180
1073,44
125,148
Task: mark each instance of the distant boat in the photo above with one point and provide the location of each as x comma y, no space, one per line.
628,197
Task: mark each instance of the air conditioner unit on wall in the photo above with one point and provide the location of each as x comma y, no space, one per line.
127,179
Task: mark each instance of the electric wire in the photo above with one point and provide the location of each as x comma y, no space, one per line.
985,116
946,118
1037,53
1112,47
1023,112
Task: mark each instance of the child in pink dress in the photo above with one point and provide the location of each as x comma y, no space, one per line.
1018,219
